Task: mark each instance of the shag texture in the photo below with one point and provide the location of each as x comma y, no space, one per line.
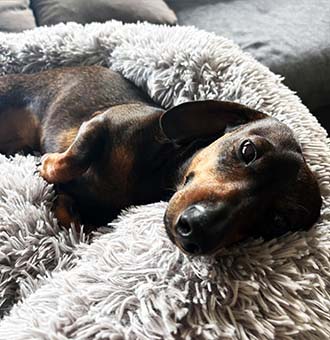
131,282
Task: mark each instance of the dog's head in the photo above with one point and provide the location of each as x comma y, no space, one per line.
252,180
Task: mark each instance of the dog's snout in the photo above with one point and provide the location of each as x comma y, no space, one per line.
197,225
191,219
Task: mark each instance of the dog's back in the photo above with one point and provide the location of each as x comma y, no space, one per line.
45,110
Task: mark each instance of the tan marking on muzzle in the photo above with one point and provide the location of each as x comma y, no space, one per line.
208,183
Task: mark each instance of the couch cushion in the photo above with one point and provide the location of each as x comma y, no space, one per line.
51,12
16,16
290,37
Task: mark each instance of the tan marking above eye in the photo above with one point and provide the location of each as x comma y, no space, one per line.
204,163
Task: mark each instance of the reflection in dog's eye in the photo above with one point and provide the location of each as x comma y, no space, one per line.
189,177
248,152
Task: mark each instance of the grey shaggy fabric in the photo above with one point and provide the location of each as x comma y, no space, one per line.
130,281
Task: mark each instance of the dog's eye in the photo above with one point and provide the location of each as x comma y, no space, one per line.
248,152
189,177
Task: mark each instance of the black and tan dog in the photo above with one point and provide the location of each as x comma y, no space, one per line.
229,171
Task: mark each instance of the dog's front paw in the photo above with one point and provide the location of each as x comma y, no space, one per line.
54,168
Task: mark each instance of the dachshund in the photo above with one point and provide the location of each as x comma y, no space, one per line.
228,171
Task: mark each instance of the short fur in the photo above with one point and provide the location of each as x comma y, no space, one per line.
108,146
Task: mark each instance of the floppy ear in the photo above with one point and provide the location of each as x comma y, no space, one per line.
203,119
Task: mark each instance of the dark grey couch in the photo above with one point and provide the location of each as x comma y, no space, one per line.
291,37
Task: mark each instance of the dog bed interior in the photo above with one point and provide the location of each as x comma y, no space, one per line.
129,281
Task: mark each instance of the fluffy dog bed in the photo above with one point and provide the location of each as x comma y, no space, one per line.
129,281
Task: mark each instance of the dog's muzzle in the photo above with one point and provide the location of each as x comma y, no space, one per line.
200,226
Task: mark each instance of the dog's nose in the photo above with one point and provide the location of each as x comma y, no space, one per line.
195,227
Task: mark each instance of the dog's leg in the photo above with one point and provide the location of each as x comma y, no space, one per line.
72,163
66,212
